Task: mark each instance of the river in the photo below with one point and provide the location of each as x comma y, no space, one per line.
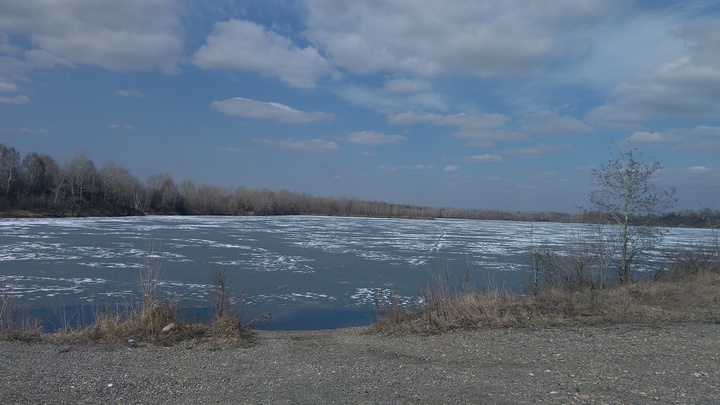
309,272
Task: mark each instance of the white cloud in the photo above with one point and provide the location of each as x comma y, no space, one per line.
699,139
537,150
42,59
694,183
407,86
613,116
25,131
6,47
462,120
485,138
682,88
130,93
480,130
243,107
427,38
698,169
548,122
246,46
418,167
6,85
482,159
606,57
450,168
305,145
405,167
686,87
127,35
19,99
391,101
372,138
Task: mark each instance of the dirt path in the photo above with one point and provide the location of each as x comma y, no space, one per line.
609,364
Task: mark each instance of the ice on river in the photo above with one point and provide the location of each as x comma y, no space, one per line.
272,262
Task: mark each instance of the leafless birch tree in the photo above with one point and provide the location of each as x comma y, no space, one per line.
626,194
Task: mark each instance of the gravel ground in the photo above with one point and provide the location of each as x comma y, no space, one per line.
678,363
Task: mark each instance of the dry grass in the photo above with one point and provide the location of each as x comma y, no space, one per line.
162,325
679,297
14,323
150,323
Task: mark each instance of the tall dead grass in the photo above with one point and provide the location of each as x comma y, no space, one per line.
15,324
689,291
152,322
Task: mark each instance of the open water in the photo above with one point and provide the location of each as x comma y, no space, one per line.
309,272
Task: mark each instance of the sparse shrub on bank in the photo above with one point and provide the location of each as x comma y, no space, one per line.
15,324
681,296
151,323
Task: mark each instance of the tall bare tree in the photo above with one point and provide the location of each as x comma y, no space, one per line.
81,179
116,186
9,163
38,173
625,192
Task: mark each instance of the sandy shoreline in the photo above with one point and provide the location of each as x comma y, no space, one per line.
673,363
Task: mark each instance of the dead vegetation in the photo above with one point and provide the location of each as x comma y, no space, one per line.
150,323
689,291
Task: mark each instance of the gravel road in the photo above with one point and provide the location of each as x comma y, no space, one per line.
674,363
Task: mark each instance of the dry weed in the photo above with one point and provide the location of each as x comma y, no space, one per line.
686,296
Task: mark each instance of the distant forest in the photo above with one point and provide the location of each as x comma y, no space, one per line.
37,185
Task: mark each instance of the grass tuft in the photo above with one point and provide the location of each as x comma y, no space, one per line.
151,323
683,294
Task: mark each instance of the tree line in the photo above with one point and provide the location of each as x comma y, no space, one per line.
37,184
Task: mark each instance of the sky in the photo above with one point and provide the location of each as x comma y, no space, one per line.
505,104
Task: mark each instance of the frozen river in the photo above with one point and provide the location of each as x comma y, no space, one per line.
309,272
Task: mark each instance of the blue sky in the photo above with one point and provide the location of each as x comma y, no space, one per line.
489,104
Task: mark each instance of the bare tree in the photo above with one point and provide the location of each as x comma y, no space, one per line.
188,191
626,194
81,178
116,185
163,193
9,163
38,173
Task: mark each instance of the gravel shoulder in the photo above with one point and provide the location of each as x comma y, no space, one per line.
670,363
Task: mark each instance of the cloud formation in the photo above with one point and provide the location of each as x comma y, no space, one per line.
700,139
304,145
686,87
482,159
127,35
539,86
479,130
426,38
243,107
247,46
550,123
19,99
130,93
538,150
405,167
403,85
462,120
372,138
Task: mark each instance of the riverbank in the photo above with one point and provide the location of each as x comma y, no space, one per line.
659,363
